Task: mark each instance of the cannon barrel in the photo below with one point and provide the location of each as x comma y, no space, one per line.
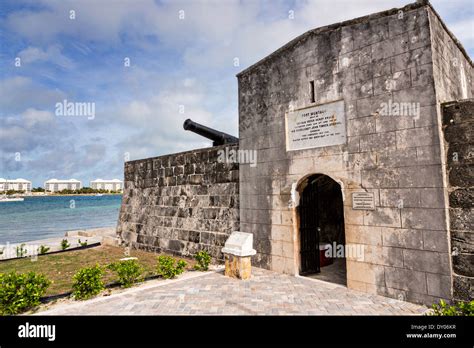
218,138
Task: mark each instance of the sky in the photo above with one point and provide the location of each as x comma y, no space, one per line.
145,66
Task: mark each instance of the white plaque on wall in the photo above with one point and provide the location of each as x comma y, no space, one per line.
316,126
363,201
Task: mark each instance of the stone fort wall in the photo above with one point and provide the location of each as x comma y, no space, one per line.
366,62
180,203
454,80
186,202
458,124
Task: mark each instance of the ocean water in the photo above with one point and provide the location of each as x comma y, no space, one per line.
51,216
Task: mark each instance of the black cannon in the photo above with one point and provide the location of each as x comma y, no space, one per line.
218,138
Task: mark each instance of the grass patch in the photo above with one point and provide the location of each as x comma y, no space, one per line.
60,268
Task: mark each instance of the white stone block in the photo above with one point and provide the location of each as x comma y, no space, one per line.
239,244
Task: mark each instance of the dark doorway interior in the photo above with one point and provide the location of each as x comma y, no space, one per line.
321,227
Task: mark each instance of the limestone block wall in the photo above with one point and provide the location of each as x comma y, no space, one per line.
180,203
454,80
452,67
382,58
458,124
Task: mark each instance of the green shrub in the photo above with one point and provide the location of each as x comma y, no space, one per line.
459,308
128,272
82,244
168,268
88,282
65,244
203,260
20,250
21,291
43,249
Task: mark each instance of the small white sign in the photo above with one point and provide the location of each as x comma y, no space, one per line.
240,244
363,201
317,126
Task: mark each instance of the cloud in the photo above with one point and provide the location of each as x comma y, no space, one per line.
37,119
54,154
175,62
30,130
19,92
213,31
464,31
96,21
156,123
9,163
51,54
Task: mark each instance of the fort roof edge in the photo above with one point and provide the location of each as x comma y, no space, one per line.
358,20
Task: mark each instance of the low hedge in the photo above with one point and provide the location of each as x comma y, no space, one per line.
21,291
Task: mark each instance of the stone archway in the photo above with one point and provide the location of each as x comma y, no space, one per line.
320,229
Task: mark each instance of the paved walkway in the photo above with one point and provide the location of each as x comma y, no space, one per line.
267,293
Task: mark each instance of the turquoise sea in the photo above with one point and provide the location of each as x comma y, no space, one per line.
51,216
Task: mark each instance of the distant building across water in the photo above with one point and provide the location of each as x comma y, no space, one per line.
110,185
55,185
15,185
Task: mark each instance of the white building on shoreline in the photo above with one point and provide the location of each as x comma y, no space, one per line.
56,185
109,185
15,185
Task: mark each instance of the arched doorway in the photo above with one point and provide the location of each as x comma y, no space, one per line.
321,226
